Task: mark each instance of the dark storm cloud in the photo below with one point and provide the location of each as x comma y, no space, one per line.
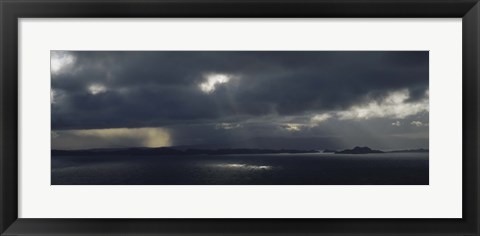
94,90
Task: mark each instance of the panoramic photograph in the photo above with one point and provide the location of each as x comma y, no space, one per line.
239,117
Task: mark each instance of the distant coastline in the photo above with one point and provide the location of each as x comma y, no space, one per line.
173,151
142,151
367,150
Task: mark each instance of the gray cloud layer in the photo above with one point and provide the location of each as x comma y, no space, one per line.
254,94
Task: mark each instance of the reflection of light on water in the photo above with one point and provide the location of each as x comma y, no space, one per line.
243,166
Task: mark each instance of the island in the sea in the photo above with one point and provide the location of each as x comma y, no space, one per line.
367,150
359,150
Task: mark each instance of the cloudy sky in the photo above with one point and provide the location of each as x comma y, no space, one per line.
253,99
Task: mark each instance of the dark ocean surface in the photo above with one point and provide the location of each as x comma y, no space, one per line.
254,169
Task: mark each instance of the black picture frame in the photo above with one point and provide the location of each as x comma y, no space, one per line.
12,10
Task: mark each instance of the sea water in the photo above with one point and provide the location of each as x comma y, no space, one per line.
253,169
